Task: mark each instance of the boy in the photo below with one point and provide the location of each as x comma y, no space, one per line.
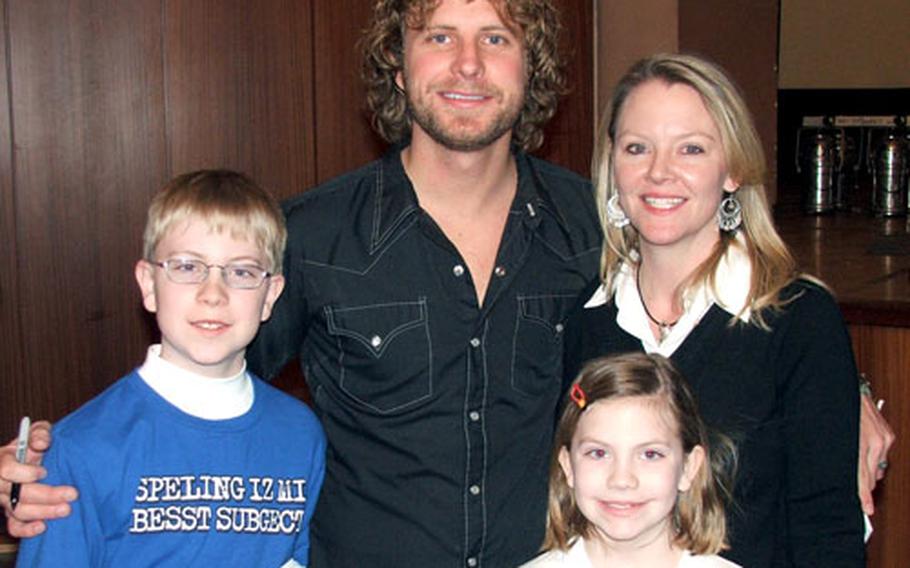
189,460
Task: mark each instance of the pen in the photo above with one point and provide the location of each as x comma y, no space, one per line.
21,450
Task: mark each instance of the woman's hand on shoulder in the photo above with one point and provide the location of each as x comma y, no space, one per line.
875,440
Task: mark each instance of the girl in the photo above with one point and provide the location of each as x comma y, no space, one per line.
631,482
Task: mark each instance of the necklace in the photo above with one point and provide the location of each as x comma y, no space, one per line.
663,327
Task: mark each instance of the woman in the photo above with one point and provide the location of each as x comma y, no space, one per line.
693,269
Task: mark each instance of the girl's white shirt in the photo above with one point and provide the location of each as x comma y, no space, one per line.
732,280
577,557
203,397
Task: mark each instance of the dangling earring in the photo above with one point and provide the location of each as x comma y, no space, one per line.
729,213
615,215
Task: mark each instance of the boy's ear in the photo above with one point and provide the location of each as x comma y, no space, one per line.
694,462
276,285
145,277
565,462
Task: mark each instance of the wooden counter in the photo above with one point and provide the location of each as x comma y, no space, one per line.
866,261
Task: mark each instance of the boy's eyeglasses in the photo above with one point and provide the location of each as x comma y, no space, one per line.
190,271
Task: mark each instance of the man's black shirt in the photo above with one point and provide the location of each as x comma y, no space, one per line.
439,412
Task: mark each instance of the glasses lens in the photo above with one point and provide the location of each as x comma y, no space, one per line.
185,271
244,275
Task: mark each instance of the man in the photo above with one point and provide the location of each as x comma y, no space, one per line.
425,297
427,293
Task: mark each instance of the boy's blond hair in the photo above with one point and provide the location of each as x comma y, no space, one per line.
226,201
699,519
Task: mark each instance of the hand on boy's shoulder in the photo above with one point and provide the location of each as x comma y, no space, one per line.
38,502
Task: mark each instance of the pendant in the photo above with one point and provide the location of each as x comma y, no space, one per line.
664,330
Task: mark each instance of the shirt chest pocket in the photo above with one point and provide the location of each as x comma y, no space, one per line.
537,345
383,353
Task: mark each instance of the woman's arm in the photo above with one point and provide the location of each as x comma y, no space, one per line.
818,381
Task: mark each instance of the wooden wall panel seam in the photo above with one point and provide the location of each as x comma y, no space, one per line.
10,316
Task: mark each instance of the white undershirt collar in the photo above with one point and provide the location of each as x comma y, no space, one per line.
203,397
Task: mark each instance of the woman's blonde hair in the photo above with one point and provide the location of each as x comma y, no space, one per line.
699,512
226,201
535,21
773,267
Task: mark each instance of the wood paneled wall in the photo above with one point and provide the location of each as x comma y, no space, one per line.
740,36
883,354
102,101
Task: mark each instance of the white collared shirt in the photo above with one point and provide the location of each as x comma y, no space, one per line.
577,557
203,397
732,280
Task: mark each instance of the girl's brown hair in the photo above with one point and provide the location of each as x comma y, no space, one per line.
699,514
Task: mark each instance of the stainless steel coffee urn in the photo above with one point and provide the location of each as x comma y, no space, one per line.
846,183
889,159
818,158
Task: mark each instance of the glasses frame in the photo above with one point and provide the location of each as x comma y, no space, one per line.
208,267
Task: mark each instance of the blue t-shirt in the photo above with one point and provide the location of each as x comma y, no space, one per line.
158,487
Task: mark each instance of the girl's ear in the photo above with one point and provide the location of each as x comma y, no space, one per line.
695,460
565,462
145,277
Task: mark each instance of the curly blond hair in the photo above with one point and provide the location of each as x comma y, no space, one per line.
383,58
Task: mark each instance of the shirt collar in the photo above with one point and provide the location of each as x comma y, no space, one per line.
535,195
733,278
395,199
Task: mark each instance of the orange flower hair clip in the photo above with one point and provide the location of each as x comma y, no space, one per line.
578,396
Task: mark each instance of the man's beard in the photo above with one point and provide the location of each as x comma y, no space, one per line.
464,139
